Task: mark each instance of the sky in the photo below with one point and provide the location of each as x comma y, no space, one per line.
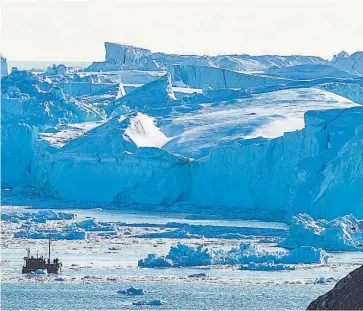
75,30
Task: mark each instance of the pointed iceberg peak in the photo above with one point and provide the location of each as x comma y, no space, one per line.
158,93
342,54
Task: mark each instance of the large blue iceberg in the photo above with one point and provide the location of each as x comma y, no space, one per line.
265,137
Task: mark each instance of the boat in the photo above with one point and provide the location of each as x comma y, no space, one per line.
33,264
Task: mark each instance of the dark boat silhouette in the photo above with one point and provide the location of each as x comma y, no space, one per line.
34,263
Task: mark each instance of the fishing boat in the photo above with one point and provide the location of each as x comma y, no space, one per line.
33,264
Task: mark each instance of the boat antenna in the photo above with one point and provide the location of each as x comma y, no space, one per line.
49,250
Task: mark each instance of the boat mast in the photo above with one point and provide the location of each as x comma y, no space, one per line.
49,251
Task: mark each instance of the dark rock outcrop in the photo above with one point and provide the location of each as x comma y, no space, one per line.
346,295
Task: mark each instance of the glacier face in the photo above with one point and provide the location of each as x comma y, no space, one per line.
252,136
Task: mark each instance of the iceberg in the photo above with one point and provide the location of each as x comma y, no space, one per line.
121,57
39,216
198,275
4,66
131,291
352,91
219,78
150,95
309,72
201,126
266,266
340,234
93,225
34,100
153,261
184,256
17,157
323,280
302,171
68,233
352,63
266,137
146,175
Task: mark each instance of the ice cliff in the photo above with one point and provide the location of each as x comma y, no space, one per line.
302,171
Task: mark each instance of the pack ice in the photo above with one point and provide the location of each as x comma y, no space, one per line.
265,136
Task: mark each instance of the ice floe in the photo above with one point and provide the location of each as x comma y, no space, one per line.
198,275
324,280
266,266
156,302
